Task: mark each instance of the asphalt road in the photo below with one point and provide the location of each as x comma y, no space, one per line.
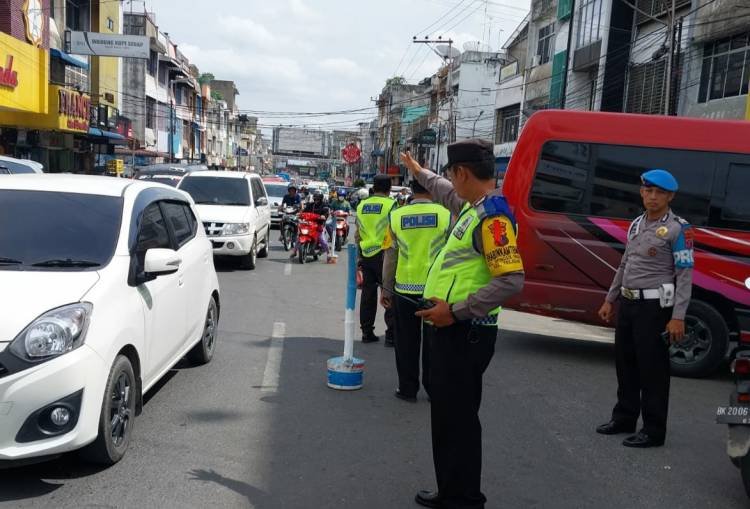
257,427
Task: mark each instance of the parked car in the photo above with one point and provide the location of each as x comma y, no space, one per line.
276,192
12,166
234,209
574,181
107,283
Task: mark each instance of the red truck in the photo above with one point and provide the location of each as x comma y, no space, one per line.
573,182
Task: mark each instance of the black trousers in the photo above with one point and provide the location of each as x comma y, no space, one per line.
459,356
642,360
408,345
372,272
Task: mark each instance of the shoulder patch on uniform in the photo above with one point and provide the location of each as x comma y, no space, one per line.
372,208
412,221
460,229
682,221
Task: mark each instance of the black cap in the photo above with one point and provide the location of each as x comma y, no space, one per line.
474,150
381,183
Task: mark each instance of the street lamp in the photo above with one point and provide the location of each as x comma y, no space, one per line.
474,129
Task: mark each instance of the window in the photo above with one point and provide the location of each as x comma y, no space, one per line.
545,43
656,8
726,68
153,63
179,217
163,75
150,112
217,190
589,23
604,180
258,191
507,124
646,88
153,232
735,212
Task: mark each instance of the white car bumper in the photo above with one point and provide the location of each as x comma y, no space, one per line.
232,245
24,393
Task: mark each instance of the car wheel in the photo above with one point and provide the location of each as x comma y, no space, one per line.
705,345
117,415
203,351
249,260
263,253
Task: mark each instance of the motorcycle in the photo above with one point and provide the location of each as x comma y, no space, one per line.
737,416
311,227
342,228
289,227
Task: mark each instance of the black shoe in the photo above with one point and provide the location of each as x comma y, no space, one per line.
405,397
370,338
389,343
428,499
615,428
642,440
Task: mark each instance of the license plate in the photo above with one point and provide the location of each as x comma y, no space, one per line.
733,415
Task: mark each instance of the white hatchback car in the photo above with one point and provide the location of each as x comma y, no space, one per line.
235,212
106,284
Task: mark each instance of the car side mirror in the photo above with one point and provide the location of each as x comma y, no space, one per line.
160,262
261,202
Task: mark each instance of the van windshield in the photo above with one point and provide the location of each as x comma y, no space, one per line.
217,190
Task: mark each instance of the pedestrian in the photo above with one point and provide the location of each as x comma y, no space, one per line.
475,272
417,233
655,282
372,225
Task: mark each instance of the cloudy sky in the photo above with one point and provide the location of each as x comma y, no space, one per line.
324,55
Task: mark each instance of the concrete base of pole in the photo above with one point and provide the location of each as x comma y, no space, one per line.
345,374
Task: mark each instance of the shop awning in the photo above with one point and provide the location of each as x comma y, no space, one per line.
107,136
68,59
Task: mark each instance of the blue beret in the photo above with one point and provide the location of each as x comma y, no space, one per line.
660,178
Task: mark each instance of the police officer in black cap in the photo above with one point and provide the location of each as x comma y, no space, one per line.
653,285
478,269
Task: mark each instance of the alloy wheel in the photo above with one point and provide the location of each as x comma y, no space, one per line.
120,413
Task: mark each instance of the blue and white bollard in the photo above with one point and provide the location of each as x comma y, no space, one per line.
346,373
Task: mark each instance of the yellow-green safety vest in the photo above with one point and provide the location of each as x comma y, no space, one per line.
372,223
420,230
459,270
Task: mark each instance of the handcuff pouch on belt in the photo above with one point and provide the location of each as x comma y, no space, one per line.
666,295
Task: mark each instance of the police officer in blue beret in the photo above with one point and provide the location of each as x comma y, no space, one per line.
653,286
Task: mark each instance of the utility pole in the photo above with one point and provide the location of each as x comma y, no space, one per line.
567,54
670,43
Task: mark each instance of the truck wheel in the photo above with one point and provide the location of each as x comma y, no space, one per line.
705,346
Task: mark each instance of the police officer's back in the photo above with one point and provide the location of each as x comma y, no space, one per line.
653,285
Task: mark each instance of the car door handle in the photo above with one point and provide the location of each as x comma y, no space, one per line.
180,281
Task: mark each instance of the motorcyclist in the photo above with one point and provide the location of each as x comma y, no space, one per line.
317,206
291,198
339,202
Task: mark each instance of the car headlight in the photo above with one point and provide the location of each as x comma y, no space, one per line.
236,229
55,333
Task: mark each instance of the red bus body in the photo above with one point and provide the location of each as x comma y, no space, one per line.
568,166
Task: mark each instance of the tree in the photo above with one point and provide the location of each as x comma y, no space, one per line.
395,81
216,96
206,78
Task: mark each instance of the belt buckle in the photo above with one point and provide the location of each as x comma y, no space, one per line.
630,294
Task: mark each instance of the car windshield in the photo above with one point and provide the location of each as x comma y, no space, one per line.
14,167
217,190
54,231
276,190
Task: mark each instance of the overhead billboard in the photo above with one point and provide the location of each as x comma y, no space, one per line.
107,45
300,142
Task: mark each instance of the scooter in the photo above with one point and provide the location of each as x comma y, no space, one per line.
342,228
737,416
289,227
311,227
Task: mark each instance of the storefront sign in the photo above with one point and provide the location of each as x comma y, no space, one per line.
68,112
108,45
33,16
8,77
24,74
73,108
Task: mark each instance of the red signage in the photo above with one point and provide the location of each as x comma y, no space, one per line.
351,153
8,77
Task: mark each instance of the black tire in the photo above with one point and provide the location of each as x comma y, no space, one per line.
745,472
287,236
706,344
263,253
118,406
249,261
302,253
203,351
339,242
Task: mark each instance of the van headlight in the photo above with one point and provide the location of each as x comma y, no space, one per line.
55,333
236,229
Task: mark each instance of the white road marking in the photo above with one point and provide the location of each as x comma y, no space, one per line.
288,269
273,362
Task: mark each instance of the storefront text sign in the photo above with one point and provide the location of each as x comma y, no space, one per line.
8,77
75,107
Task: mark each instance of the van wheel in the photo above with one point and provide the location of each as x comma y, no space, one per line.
705,347
248,261
203,351
117,415
263,253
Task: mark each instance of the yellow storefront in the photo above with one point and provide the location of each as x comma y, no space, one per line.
24,75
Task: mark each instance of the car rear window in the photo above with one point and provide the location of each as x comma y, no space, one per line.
14,167
38,226
277,190
217,190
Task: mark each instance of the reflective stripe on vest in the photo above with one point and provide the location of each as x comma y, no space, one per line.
420,230
372,222
459,270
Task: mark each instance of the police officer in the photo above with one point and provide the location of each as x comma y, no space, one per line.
417,233
372,225
475,272
653,285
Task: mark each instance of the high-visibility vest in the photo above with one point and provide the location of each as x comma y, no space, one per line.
420,231
459,270
372,223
